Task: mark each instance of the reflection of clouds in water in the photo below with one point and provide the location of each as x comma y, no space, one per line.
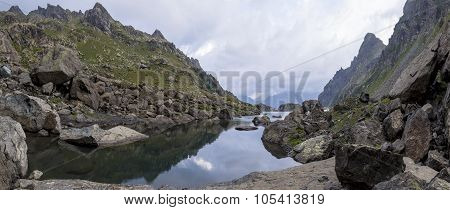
202,163
197,161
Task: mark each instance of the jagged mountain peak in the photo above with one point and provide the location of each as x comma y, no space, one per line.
99,17
158,34
16,10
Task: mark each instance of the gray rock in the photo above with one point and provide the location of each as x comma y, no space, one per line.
444,174
35,175
398,146
24,78
395,104
413,82
364,98
64,112
34,114
5,72
393,125
402,181
361,167
436,160
386,146
47,89
43,133
417,135
58,66
310,105
314,149
99,18
264,120
7,51
428,109
423,173
246,128
72,184
289,107
85,90
368,132
94,136
438,184
13,152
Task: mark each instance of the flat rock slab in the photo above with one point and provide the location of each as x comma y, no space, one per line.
246,128
24,184
313,176
94,136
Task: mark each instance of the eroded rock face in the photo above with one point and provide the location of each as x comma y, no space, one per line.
361,167
368,132
314,149
58,66
417,135
85,90
393,125
99,18
13,152
34,114
94,136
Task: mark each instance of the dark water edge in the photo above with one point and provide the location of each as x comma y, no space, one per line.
191,155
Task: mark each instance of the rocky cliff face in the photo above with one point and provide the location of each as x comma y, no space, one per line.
346,80
419,25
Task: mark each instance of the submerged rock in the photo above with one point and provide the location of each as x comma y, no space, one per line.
94,136
13,152
361,167
246,128
34,114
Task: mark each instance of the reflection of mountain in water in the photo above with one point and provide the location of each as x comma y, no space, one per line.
113,165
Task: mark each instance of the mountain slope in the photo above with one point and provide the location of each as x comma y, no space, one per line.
345,80
421,22
108,61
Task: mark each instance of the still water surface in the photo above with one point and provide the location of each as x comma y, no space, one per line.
187,156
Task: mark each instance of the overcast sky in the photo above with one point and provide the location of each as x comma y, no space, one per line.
255,35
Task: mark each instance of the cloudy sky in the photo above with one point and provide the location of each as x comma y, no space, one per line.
232,37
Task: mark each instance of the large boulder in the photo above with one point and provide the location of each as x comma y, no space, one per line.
278,132
402,181
34,114
94,136
314,149
368,132
289,107
85,90
362,167
58,66
436,160
417,135
264,120
5,72
393,125
413,83
13,152
311,105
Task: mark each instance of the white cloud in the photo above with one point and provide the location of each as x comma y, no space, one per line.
202,163
256,35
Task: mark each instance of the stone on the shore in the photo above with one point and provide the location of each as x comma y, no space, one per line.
264,120
362,167
417,135
94,136
314,149
58,66
13,152
246,128
35,175
34,114
5,72
402,181
72,184
423,173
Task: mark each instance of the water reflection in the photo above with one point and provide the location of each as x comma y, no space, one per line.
188,156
